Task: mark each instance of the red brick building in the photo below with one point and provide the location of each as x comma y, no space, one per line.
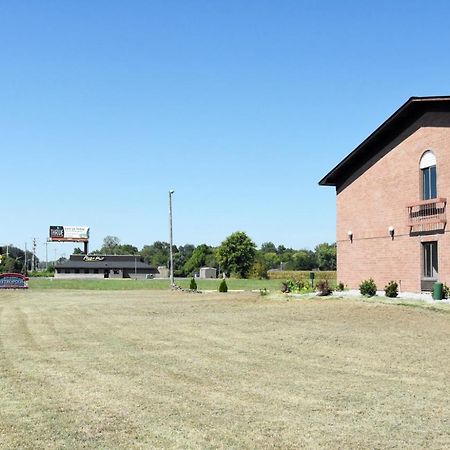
391,194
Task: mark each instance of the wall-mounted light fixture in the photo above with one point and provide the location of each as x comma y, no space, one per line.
391,232
350,235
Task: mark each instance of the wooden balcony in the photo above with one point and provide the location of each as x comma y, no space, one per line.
427,215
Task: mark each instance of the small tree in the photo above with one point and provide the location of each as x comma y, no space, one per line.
326,256
236,254
223,286
259,270
193,285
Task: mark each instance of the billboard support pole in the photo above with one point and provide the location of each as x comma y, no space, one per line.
86,247
172,281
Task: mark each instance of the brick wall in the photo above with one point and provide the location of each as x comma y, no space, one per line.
375,198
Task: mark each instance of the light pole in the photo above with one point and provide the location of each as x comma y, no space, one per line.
172,282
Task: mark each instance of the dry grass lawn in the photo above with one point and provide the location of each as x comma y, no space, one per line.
149,369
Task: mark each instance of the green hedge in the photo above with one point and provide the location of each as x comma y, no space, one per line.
303,275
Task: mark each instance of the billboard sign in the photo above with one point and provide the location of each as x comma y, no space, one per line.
68,233
13,281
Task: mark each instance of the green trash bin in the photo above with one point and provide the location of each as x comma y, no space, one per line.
437,291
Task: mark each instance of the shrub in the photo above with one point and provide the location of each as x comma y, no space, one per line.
263,292
193,285
340,286
391,289
296,286
368,288
445,291
259,271
223,286
323,288
48,273
330,276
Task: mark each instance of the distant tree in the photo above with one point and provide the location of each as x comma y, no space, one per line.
9,265
127,249
181,257
157,254
237,254
202,256
15,261
271,260
259,270
268,247
110,245
77,251
281,249
304,260
326,256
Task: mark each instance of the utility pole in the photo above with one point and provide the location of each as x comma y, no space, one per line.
33,260
172,282
25,260
46,255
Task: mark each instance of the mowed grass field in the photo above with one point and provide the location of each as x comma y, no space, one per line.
161,369
154,284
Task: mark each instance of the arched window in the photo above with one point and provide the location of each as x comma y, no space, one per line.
428,168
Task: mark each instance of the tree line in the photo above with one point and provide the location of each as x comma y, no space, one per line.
236,256
13,260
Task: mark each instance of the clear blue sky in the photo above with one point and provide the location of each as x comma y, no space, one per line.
240,106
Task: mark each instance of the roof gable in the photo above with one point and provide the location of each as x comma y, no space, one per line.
374,144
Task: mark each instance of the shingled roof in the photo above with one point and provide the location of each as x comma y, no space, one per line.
405,116
126,262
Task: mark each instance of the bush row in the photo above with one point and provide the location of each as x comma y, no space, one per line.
302,275
222,286
368,288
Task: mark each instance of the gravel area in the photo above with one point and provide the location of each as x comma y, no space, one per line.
423,296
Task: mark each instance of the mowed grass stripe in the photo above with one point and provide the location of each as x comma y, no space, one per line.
170,370
152,284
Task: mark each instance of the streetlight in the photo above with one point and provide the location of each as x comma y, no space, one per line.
172,283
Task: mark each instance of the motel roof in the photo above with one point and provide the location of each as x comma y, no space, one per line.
405,116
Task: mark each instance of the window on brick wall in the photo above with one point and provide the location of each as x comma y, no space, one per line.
429,177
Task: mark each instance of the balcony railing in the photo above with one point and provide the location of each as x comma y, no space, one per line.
427,215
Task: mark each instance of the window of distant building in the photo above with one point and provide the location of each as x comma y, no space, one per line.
428,168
